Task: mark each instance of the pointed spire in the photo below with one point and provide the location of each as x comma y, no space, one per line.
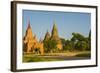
29,30
54,30
54,25
29,23
47,36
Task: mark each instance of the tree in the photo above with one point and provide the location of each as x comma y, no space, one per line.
80,42
81,45
89,35
89,40
50,46
68,45
63,41
77,37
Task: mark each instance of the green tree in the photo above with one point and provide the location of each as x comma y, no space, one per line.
81,45
50,46
80,42
89,35
89,46
68,45
77,37
63,41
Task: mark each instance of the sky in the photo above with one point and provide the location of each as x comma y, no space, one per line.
66,22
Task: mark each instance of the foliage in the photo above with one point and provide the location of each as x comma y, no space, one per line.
80,42
50,45
81,45
77,42
77,37
68,45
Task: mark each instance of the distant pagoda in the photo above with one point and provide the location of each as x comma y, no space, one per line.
54,36
30,43
29,39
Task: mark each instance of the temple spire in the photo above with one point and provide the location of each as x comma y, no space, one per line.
47,36
29,30
29,23
54,30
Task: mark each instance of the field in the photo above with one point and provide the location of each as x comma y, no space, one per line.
76,55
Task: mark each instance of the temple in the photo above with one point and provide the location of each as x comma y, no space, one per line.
31,45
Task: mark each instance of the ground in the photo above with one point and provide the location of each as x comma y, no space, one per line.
76,55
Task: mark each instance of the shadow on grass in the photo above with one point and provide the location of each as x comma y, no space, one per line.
83,55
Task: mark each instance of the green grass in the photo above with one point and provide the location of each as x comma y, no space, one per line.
38,59
83,55
30,57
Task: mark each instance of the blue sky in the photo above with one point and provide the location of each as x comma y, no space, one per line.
66,22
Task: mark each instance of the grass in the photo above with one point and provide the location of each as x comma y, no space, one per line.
30,57
83,55
38,59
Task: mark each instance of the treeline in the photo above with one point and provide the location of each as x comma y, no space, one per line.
77,42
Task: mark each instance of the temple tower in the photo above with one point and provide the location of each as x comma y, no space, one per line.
29,39
55,36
